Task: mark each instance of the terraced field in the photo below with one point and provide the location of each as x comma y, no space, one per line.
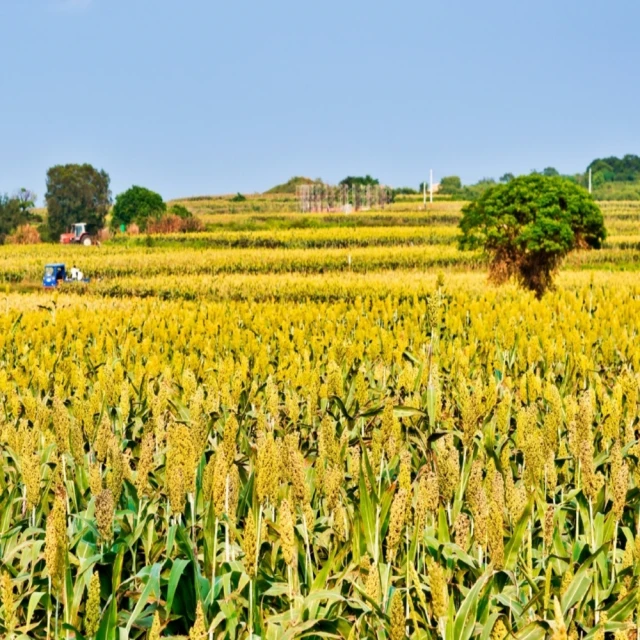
324,426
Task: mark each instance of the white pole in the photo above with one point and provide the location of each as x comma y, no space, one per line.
431,186
589,180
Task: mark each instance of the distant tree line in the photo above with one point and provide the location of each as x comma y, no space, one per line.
81,193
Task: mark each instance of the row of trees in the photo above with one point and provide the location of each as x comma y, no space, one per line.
81,193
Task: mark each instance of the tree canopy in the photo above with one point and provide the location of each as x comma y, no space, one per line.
364,181
77,193
450,185
16,211
612,169
138,205
528,225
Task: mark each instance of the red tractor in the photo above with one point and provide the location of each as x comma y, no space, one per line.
77,235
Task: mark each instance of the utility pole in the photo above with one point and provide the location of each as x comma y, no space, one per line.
589,179
431,186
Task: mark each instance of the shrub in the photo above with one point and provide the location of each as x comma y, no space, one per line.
104,234
181,211
24,234
138,205
133,229
171,223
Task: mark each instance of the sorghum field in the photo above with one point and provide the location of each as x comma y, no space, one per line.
324,427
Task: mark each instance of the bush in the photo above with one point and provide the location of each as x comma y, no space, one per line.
181,211
133,229
104,234
24,234
238,198
171,223
138,205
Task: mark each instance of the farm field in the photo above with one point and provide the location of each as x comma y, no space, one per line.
321,426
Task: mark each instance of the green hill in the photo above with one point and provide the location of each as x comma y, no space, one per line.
291,185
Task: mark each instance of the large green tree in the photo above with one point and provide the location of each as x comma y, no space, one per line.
77,193
138,205
528,225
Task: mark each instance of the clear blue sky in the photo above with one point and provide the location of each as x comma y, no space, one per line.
203,96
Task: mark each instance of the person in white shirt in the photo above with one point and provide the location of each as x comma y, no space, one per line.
80,276
74,273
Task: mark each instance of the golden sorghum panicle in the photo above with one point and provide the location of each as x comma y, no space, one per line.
620,486
372,585
229,438
340,522
477,499
180,466
76,441
328,444
396,617
250,544
354,463
61,424
612,414
404,473
462,528
567,578
156,628
219,481
145,463
516,497
534,457
333,480
448,468
56,540
496,520
551,473
8,603
438,585
591,481
499,631
397,520
287,534
31,476
391,430
295,470
105,508
92,607
103,438
115,469
95,479
427,497
198,630
268,470
548,527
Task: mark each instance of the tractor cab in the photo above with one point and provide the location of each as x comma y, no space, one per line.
54,274
77,234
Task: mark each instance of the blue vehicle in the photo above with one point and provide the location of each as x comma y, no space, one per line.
56,273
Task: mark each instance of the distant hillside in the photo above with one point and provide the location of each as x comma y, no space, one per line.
291,185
